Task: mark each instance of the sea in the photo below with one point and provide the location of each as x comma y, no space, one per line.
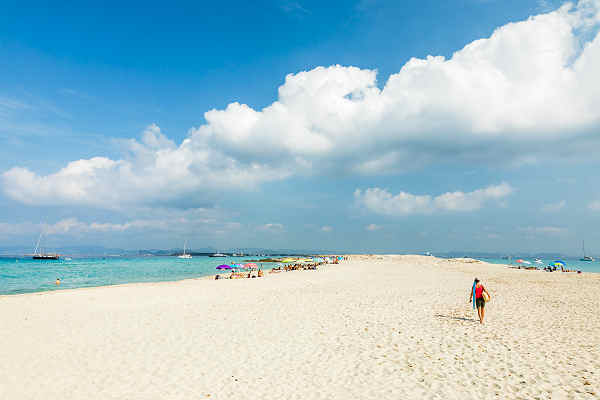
25,275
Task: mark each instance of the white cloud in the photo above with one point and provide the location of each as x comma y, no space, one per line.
156,171
529,90
73,225
554,207
326,228
594,205
190,222
380,201
372,227
271,227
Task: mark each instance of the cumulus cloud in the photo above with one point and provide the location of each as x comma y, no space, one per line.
381,201
372,227
554,207
155,171
326,228
531,85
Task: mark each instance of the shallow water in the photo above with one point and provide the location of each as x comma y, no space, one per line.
24,275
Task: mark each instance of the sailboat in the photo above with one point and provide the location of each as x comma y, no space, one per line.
39,255
585,258
184,255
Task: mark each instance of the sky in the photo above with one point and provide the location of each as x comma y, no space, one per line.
367,126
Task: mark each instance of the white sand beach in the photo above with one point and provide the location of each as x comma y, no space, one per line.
375,327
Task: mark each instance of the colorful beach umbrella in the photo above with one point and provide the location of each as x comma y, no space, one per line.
559,263
250,265
520,261
223,266
238,266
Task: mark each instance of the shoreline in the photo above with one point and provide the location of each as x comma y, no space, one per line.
370,328
267,272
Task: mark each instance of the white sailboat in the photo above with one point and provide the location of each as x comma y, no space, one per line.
184,255
585,258
39,255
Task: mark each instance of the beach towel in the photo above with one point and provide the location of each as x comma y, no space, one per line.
474,306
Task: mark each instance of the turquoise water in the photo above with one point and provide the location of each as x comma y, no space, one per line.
24,275
572,263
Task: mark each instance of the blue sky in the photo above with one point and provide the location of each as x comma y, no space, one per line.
302,124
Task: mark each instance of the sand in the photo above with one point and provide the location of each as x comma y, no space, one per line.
380,327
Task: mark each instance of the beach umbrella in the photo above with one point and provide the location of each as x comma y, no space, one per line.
238,266
223,266
527,262
520,261
559,263
250,265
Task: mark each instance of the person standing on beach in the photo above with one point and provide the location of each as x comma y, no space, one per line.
479,289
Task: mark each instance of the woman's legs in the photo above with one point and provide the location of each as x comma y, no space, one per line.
481,313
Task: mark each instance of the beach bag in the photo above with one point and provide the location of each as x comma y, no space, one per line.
485,296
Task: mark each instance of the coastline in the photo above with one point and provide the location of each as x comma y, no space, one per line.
372,327
267,272
211,276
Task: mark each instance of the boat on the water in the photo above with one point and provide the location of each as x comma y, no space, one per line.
184,255
38,254
46,256
585,258
218,255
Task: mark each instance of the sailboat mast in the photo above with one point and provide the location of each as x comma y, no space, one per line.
38,244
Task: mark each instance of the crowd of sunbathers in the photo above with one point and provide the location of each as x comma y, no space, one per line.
552,268
549,268
287,267
242,274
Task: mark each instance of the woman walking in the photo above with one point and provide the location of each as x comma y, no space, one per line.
478,291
